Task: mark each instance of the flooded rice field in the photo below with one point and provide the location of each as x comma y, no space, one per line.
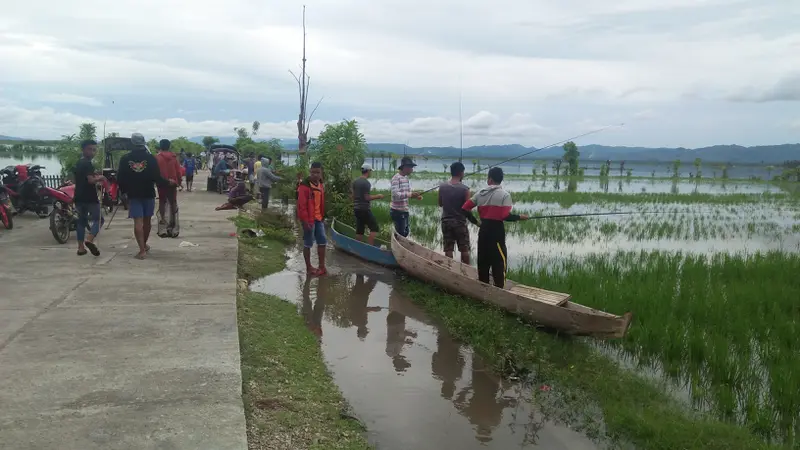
623,186
688,228
406,379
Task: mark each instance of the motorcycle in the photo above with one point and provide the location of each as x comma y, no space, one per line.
64,217
24,186
5,210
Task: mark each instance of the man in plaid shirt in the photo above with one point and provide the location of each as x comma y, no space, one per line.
401,192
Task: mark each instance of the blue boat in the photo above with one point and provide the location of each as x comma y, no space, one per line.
371,253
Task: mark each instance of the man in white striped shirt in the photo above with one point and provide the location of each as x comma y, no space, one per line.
401,192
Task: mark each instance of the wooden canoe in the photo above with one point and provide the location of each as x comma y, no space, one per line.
360,249
548,308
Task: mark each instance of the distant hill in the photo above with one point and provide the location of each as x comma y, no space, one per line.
766,154
10,138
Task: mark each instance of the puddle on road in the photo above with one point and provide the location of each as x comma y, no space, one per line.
410,383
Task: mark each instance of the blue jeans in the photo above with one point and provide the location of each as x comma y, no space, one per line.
400,219
316,233
88,215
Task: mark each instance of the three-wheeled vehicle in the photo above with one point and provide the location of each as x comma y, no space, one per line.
218,181
113,149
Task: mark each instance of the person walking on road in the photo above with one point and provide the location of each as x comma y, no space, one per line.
311,212
266,177
362,205
87,204
170,168
138,173
401,192
494,208
452,196
191,166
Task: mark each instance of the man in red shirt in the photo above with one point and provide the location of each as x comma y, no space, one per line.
170,169
311,211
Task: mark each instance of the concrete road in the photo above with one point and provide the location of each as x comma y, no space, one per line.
111,352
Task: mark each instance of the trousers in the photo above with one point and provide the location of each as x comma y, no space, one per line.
492,253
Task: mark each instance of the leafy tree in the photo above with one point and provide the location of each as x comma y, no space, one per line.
621,167
341,148
256,126
208,141
69,149
676,165
571,156
697,170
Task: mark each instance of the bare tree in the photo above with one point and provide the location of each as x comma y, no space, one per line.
303,81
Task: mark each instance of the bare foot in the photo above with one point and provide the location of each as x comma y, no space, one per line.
322,271
312,270
141,255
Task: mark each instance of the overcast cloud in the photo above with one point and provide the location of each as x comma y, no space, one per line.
676,72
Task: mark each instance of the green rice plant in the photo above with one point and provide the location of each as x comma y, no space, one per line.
722,328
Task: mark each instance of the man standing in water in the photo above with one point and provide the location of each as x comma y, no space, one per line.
311,211
86,203
362,205
168,225
452,196
138,172
494,208
401,192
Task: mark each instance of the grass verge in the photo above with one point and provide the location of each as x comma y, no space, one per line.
578,379
290,399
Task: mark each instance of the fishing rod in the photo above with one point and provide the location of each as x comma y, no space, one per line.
532,152
460,130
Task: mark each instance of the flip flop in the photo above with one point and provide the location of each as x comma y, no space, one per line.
313,272
92,248
147,248
322,272
82,252
138,256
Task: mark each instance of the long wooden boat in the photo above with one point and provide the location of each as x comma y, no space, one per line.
548,308
360,249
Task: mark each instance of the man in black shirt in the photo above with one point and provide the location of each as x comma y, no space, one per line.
138,172
87,204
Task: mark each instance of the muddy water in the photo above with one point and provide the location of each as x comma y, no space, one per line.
411,384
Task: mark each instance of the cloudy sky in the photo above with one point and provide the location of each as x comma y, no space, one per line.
676,72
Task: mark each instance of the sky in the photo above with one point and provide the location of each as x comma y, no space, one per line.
677,73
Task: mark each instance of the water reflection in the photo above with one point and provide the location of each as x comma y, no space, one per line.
435,403
486,403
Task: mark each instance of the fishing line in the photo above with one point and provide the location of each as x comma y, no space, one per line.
532,152
612,213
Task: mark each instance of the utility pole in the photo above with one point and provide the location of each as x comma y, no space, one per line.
460,130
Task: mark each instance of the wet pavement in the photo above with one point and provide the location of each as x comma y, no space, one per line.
406,379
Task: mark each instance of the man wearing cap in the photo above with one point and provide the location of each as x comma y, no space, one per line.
401,192
362,205
138,172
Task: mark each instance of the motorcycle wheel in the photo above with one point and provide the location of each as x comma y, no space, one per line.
5,217
59,225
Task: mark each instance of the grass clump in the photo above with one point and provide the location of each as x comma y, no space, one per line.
289,397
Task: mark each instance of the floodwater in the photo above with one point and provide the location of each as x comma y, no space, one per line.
614,186
406,379
48,160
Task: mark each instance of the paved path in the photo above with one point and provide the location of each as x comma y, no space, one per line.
116,353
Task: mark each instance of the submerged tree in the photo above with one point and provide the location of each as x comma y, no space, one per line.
676,165
571,155
697,170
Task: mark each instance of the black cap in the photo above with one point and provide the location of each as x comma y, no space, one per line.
406,161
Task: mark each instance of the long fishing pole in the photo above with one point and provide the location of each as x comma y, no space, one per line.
532,152
460,130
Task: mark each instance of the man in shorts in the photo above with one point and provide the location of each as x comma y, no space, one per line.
311,212
452,196
138,173
362,205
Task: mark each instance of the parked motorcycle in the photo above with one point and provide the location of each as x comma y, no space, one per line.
64,217
25,187
5,210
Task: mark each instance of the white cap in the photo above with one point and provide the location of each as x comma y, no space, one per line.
366,167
